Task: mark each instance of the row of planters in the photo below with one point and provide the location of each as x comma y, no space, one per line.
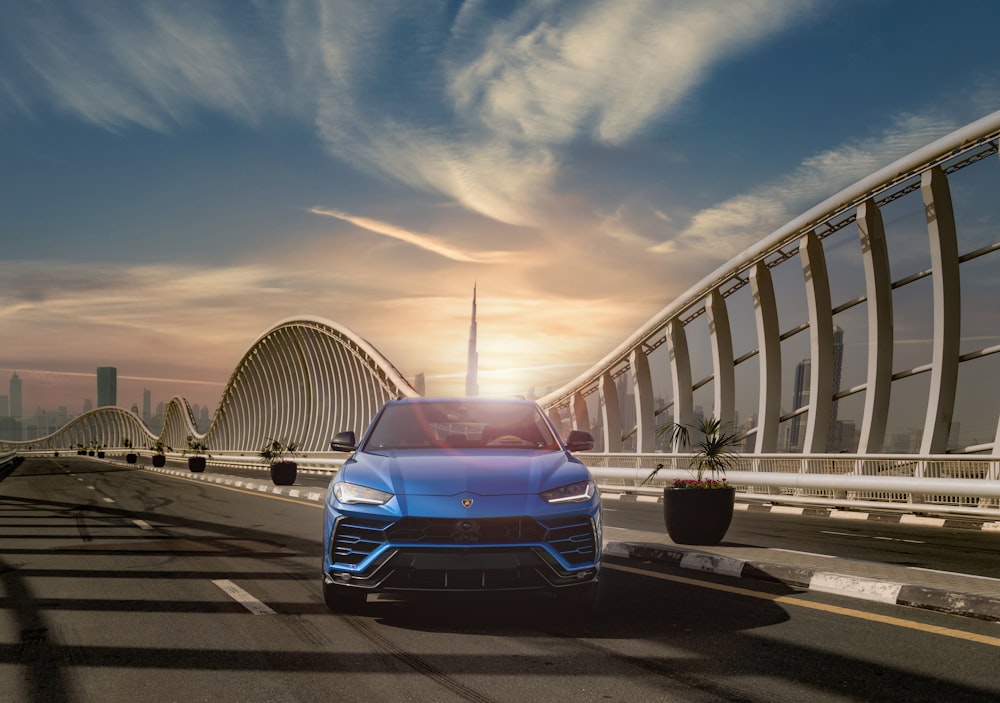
276,453
159,458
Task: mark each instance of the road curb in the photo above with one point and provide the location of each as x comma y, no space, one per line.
826,581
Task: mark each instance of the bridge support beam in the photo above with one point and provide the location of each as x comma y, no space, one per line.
769,356
947,310
878,287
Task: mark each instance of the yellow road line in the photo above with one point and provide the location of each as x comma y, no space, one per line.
837,610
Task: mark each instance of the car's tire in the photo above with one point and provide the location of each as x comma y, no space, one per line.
341,599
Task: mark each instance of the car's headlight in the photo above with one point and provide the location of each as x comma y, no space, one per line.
579,492
353,493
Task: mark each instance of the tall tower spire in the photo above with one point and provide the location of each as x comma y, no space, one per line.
472,376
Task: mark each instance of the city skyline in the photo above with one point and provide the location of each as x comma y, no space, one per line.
179,178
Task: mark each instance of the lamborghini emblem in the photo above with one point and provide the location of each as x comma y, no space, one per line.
466,502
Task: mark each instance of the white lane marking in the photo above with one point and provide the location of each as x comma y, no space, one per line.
143,524
108,500
895,539
808,554
787,510
92,488
840,534
243,598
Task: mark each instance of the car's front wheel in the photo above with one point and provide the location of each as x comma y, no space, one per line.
343,598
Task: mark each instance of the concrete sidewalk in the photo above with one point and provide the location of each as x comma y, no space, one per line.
957,594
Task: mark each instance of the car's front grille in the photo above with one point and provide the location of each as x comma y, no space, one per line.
512,530
488,568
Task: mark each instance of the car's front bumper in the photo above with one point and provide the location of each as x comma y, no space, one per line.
463,553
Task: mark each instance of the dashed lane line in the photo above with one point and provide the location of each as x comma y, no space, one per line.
243,598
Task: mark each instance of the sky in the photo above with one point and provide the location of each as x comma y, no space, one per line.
177,177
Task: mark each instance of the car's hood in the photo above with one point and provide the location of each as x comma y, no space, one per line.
445,473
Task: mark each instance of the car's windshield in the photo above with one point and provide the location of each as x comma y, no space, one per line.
459,424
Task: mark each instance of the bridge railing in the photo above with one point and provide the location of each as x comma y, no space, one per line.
966,485
947,484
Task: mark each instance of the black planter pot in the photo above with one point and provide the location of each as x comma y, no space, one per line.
131,458
283,473
100,455
90,452
196,464
159,460
698,515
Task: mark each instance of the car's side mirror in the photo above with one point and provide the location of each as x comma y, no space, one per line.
580,441
344,442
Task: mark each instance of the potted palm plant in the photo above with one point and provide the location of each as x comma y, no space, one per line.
277,453
130,456
159,458
196,462
699,510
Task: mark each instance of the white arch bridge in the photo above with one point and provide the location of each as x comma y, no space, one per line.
300,381
856,347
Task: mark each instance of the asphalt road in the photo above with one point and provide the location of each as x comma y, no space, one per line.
125,585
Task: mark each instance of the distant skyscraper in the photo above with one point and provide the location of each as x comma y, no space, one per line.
835,439
88,405
800,398
147,406
472,376
15,395
801,394
4,406
107,386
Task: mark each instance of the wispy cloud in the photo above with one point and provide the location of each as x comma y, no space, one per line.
558,71
495,99
522,89
422,241
740,221
144,64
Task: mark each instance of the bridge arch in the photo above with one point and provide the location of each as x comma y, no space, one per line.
101,428
648,379
303,380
